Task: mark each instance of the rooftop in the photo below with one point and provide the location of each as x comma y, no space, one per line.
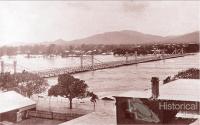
95,118
182,90
12,100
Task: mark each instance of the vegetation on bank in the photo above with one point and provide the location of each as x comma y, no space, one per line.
54,49
149,49
25,83
192,73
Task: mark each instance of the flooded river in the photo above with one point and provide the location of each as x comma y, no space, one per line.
134,77
107,81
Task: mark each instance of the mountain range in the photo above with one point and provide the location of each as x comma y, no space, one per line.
132,37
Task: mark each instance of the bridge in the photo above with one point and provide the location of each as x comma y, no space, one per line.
105,65
93,64
12,67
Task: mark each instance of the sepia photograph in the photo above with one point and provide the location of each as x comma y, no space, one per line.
99,62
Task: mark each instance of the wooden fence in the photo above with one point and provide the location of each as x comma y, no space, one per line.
54,115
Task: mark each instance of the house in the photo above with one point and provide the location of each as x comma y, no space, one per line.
152,106
160,104
14,107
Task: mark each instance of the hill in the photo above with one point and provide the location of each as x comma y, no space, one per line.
132,37
119,37
186,38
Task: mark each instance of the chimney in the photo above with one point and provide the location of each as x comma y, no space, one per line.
155,87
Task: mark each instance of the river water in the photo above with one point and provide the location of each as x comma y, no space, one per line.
108,81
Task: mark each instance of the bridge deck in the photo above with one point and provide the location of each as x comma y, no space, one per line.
98,66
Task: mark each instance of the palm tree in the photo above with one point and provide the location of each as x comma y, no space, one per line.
94,98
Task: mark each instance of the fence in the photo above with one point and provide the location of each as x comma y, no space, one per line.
54,115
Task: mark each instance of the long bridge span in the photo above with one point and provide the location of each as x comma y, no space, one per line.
103,65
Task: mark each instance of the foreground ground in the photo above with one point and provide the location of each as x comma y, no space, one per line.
39,121
103,111
103,114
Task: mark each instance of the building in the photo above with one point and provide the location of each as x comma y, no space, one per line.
14,107
151,106
144,107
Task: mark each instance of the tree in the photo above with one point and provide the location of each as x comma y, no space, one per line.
51,49
192,73
7,81
93,99
26,83
69,87
166,80
30,83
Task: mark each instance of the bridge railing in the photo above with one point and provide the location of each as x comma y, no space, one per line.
96,66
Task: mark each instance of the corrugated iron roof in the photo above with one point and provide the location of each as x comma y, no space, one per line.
181,90
136,94
95,118
12,100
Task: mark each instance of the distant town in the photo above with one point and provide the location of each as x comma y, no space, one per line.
101,44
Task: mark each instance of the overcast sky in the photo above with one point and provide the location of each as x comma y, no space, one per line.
38,21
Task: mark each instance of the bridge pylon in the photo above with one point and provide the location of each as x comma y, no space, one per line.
2,66
135,56
15,66
92,60
81,59
176,51
126,55
163,54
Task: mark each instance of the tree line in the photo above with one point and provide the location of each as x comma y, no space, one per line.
191,73
29,84
122,49
25,83
149,49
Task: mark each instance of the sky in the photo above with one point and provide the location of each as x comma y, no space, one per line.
39,21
